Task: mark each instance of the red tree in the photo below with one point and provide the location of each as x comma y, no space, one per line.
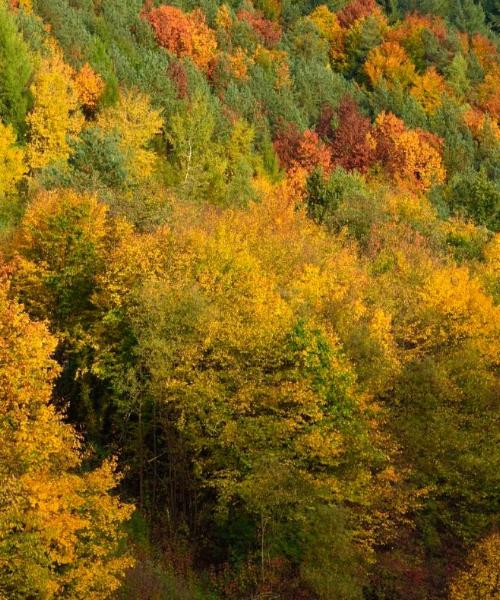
268,31
302,151
357,9
351,147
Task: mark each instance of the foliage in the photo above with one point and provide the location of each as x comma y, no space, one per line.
55,117
265,236
12,166
15,72
184,35
60,528
480,580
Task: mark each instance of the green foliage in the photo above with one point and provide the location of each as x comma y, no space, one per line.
476,196
15,72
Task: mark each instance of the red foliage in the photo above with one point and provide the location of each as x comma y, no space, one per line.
178,76
351,148
286,144
324,126
268,31
306,151
357,9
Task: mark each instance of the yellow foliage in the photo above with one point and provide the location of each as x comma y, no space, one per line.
59,246
239,63
454,309
327,22
55,118
223,18
12,166
428,89
59,529
136,122
390,63
480,579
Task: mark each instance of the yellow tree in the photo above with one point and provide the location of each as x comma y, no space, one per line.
136,122
12,166
60,247
389,63
480,580
55,118
60,528
429,89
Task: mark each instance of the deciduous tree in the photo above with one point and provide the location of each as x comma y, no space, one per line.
60,525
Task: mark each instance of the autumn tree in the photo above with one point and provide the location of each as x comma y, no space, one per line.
352,144
135,122
89,87
390,64
355,10
269,32
304,151
413,157
197,157
429,89
60,525
480,578
12,166
60,247
55,118
184,34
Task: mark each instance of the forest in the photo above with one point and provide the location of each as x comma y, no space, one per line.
249,299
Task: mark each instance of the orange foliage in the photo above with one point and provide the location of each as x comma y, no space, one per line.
411,156
89,87
488,96
478,121
184,34
412,26
239,63
389,62
485,50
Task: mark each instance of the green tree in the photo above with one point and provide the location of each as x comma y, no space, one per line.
15,71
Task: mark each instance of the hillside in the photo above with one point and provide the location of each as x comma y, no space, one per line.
249,287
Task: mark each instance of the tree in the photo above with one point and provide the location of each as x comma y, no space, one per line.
55,119
352,144
480,578
390,64
269,32
184,34
89,88
60,248
60,527
412,156
429,89
135,122
356,10
12,166
305,151
198,161
15,72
